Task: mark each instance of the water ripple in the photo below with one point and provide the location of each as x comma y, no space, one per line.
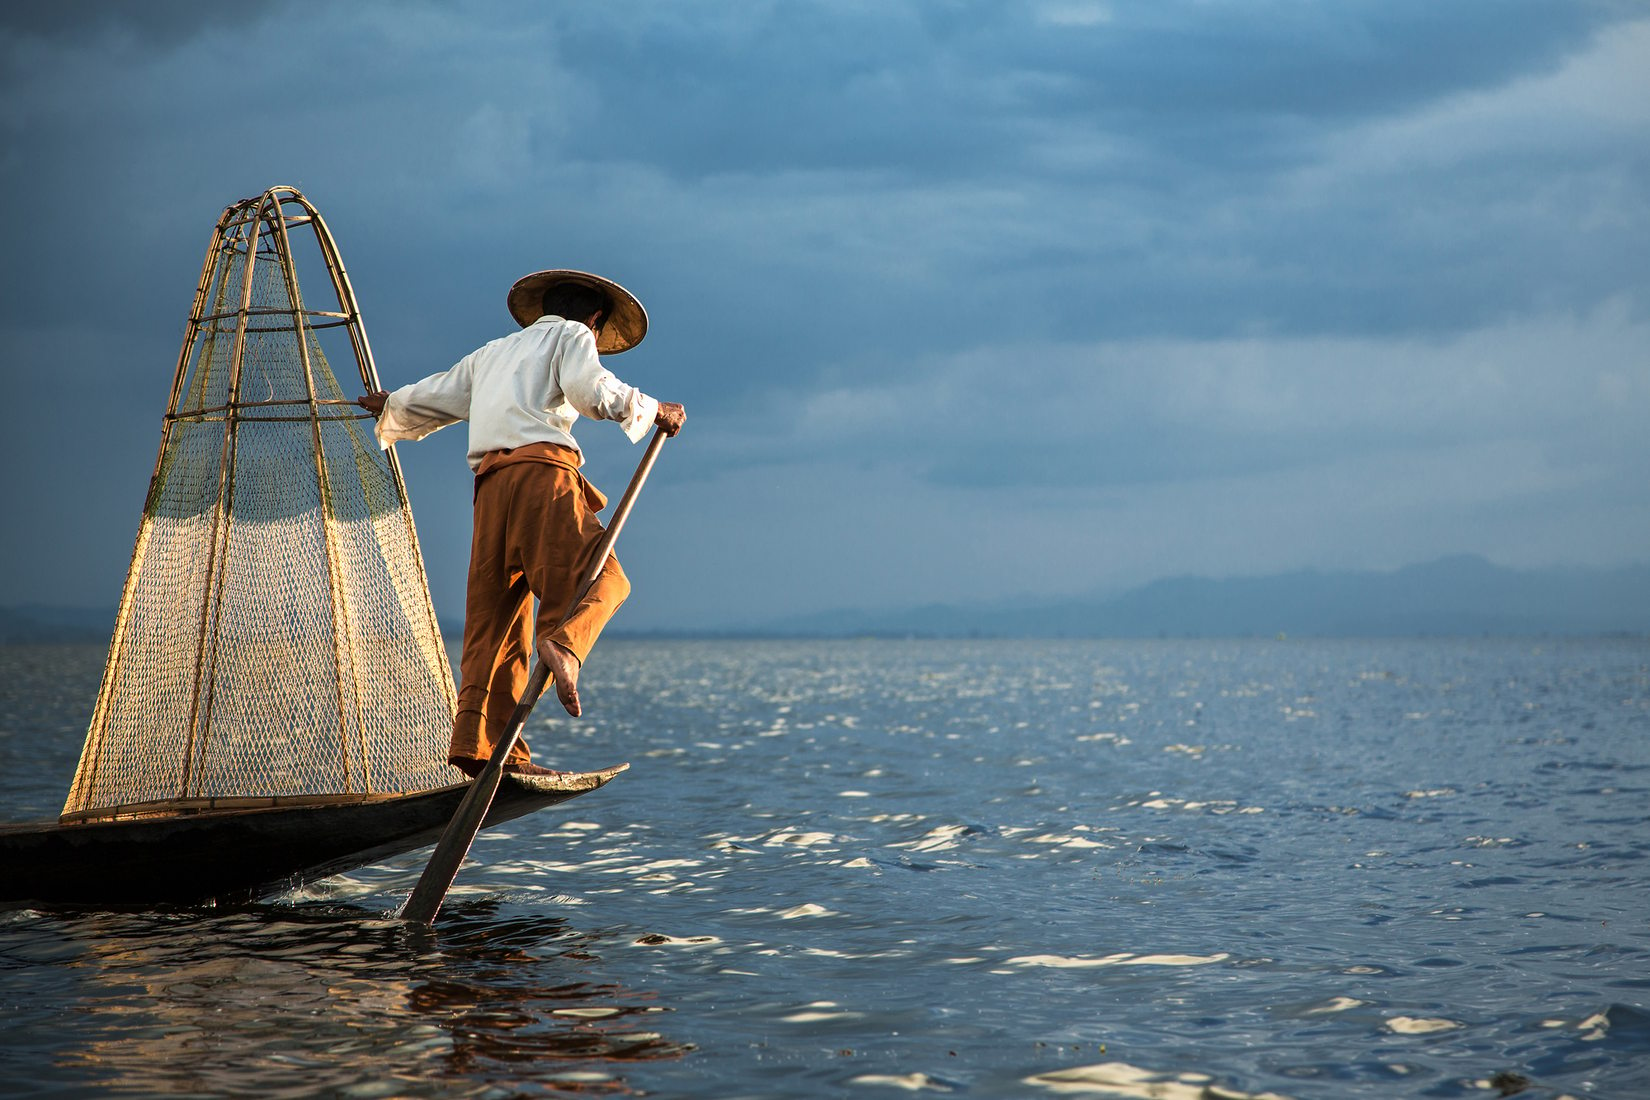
1192,869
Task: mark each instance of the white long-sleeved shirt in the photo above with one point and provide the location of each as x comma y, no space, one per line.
528,387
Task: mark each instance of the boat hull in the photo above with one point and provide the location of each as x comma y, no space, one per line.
236,855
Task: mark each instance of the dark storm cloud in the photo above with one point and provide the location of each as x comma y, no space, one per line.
965,90
911,165
1108,178
151,20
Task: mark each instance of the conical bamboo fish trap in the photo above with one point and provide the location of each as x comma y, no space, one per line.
275,636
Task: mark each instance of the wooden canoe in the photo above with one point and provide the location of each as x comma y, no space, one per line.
232,853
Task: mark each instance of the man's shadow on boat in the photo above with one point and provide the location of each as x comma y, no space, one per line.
349,996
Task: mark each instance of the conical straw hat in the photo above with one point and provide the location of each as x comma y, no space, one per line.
626,321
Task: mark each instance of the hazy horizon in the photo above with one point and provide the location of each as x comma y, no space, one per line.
1463,595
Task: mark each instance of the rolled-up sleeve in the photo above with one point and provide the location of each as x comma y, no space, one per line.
414,411
593,390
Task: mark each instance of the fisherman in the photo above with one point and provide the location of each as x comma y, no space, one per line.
535,514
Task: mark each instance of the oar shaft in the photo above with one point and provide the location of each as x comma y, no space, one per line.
460,833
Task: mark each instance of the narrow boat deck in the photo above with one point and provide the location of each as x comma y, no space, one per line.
228,851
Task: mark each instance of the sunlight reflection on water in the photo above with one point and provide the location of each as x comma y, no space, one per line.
313,1000
1302,869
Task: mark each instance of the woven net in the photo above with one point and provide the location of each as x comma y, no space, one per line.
275,636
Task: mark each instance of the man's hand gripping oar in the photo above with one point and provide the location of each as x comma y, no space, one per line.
460,833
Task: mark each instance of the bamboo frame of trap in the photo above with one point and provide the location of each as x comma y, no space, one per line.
249,231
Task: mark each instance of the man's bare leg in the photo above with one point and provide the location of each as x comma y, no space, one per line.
564,670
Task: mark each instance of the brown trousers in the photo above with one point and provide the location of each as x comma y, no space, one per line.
535,532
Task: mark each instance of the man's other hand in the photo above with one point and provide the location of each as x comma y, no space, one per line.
671,417
374,402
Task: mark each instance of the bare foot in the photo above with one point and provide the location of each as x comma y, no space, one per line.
564,669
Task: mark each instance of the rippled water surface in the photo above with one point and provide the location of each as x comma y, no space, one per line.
1028,869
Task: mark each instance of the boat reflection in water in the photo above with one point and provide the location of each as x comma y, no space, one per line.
335,1001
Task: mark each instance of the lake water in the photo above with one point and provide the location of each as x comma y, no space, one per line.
870,869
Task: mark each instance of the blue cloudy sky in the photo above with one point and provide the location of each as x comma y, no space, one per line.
967,301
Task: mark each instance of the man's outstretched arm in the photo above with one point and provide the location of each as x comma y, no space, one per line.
413,412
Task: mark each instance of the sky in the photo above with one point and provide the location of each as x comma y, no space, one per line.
968,302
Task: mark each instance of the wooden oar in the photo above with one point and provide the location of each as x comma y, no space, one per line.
461,831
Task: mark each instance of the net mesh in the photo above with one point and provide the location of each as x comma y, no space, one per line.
275,636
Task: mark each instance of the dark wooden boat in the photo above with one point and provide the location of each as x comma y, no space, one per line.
235,850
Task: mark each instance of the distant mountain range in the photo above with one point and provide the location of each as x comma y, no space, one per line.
1454,596
1462,595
